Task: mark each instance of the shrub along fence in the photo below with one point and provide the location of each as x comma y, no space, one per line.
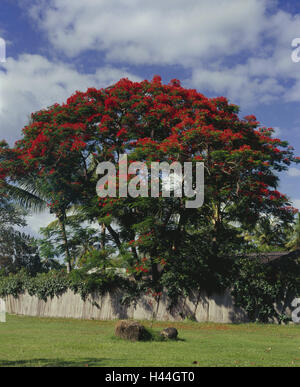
109,306
261,291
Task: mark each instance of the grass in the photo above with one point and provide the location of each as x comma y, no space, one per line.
27,341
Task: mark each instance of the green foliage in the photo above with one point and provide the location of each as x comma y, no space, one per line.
55,283
270,235
205,264
294,236
12,285
17,249
43,285
81,240
258,287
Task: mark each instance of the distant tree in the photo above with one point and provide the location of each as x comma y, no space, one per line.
36,194
82,240
17,250
269,235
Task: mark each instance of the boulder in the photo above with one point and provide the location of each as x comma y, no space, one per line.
131,330
169,333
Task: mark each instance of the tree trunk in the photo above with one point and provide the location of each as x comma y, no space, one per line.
103,236
65,239
155,272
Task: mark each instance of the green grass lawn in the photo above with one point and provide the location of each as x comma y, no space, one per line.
26,341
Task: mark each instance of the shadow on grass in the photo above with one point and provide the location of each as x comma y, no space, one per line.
150,335
53,363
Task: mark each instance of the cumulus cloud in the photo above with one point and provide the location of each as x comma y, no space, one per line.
266,74
32,82
169,31
241,49
238,84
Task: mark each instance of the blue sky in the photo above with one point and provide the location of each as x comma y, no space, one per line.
237,48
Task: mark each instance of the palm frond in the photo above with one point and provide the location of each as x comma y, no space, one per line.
25,198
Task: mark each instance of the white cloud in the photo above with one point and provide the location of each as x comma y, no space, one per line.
237,84
294,172
266,73
241,49
168,31
32,82
36,221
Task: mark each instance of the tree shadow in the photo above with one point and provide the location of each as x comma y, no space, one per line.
89,362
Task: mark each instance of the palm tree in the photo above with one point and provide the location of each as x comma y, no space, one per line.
31,194
34,193
269,235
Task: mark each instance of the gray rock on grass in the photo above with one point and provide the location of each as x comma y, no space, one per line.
169,333
131,330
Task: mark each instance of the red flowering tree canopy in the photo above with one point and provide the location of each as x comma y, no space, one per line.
151,121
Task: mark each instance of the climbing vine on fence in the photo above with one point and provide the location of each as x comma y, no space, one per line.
55,283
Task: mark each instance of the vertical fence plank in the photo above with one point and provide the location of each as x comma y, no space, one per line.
2,311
